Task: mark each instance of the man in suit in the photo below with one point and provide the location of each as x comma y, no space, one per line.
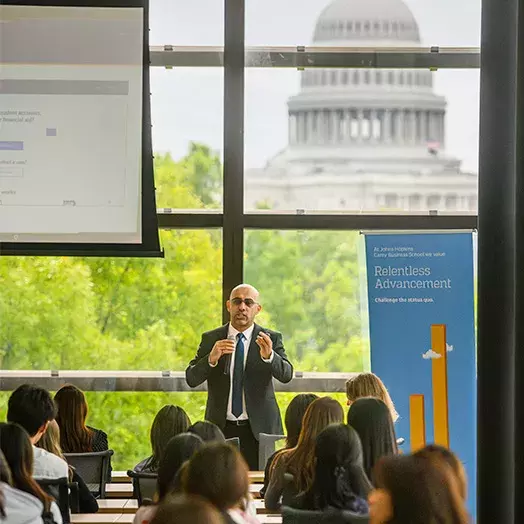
239,361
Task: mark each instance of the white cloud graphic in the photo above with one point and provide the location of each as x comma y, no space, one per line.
449,348
430,354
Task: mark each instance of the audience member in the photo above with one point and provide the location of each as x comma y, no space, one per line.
207,431
75,436
371,419
414,491
440,453
169,422
369,385
219,474
340,481
50,441
184,509
300,460
178,450
293,422
16,447
33,408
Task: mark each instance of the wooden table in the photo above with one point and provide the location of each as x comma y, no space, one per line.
119,491
121,477
117,505
127,518
270,519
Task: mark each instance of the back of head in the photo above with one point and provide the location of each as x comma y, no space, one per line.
207,431
371,419
178,450
294,416
340,481
421,491
442,454
169,422
72,412
369,385
218,473
184,509
50,440
31,407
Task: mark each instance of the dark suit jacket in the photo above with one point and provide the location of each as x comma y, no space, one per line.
261,405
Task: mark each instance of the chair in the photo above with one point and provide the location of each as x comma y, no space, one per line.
266,448
234,441
300,516
144,485
94,468
65,494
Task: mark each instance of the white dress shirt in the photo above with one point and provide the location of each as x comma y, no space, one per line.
48,466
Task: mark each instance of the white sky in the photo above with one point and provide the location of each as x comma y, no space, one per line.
187,104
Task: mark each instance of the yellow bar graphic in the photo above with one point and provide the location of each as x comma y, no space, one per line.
417,422
440,385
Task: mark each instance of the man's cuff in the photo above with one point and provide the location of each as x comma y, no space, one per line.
268,360
212,365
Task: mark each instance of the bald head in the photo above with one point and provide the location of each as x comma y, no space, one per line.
243,306
245,288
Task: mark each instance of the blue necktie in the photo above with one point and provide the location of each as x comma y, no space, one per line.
238,377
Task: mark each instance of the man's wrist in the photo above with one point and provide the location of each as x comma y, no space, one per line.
210,363
270,358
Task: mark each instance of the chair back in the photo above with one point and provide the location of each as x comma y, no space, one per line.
94,468
59,490
300,516
266,448
234,441
144,485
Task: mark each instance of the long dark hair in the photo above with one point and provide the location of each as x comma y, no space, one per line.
169,422
340,481
421,491
5,476
294,415
371,419
75,436
178,450
18,452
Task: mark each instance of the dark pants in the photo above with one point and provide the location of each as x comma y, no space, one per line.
248,442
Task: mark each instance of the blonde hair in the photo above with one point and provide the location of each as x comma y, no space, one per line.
50,441
369,385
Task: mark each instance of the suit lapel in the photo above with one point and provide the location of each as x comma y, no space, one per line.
253,350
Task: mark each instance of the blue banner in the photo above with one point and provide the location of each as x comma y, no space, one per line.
422,336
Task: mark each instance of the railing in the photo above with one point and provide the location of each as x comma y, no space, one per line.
302,382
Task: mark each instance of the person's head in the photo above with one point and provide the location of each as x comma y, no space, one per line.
294,415
50,440
369,385
169,422
339,479
243,306
371,419
218,473
440,453
178,450
32,408
16,446
301,459
207,431
185,509
409,490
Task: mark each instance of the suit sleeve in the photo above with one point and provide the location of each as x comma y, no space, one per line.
199,368
281,368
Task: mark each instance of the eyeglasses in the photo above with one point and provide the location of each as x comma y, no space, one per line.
249,302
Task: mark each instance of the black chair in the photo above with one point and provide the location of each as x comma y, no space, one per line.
65,494
144,485
94,468
266,448
300,516
234,441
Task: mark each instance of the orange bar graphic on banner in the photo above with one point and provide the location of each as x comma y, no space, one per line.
417,422
440,385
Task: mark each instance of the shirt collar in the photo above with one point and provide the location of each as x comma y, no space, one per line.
248,333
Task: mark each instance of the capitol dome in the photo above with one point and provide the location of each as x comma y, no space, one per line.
366,20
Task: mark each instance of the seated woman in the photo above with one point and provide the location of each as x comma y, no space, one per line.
369,385
340,481
169,422
18,452
300,460
184,509
50,441
409,490
178,450
75,436
371,419
207,431
293,422
219,474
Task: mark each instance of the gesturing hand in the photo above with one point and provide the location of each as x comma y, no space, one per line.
265,344
221,347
